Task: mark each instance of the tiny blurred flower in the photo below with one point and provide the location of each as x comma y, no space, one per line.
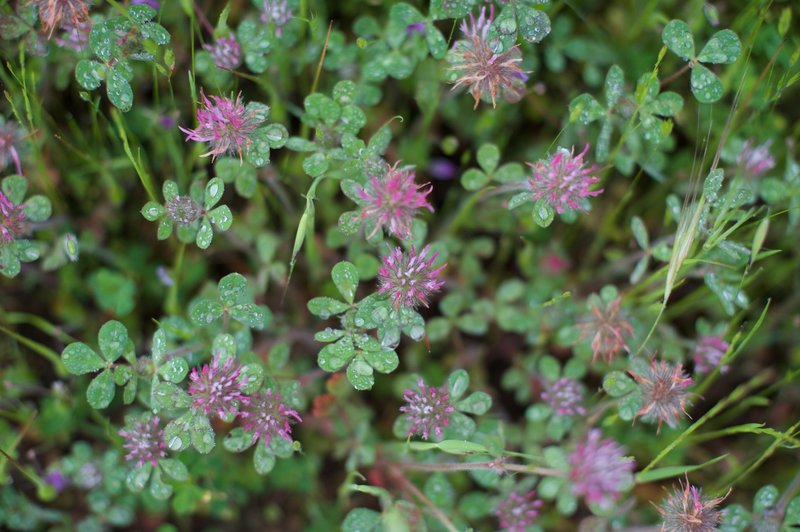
266,417
10,137
555,264
663,388
163,275
392,201
608,329
225,52
71,248
57,480
277,12
144,441
409,278
183,210
598,469
75,35
427,410
152,3
754,160
442,169
218,387
564,396
12,220
517,512
688,510
56,13
708,354
563,180
485,72
417,27
225,124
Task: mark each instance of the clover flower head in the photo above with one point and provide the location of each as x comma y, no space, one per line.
755,160
686,509
409,278
564,396
664,392
10,138
708,354
75,35
427,410
225,124
486,73
225,52
517,511
183,210
564,180
12,220
392,201
144,441
218,388
608,329
599,470
277,12
57,13
266,416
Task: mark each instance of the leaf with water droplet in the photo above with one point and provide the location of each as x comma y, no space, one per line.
706,86
119,90
263,459
543,213
174,370
384,360
678,37
138,476
158,488
457,383
221,217
214,190
360,374
101,390
334,357
345,277
722,48
534,25
89,74
202,434
254,316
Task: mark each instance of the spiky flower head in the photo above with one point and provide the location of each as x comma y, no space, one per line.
427,410
608,329
144,440
266,416
477,65
276,12
708,354
75,35
218,387
564,396
517,511
664,392
564,180
183,210
225,52
686,509
56,13
10,137
12,220
392,201
755,160
409,278
599,470
225,124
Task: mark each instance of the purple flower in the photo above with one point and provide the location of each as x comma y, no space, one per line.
10,138
708,354
599,470
563,180
409,278
688,510
564,396
152,3
144,441
417,27
755,160
428,410
57,480
485,72
225,52
517,512
442,169
57,13
664,394
218,388
608,329
277,12
392,201
225,124
75,36
266,417
12,220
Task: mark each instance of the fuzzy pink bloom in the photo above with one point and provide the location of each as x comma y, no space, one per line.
276,12
599,470
225,52
144,441
517,512
75,35
225,124
427,410
409,278
10,137
266,417
218,388
664,394
564,396
12,220
57,13
485,72
563,180
688,510
608,329
392,201
708,354
755,160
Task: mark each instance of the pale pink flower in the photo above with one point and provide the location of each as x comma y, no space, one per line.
608,329
688,510
144,441
218,388
663,388
409,278
564,396
755,160
708,354
266,416
10,138
75,35
563,180
225,52
428,410
517,511
276,12
599,470
12,220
